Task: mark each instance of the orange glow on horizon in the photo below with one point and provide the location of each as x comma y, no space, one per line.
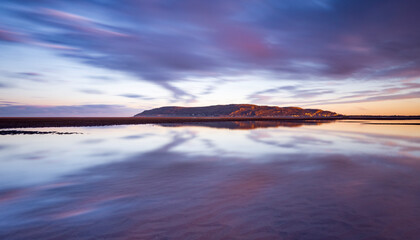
389,107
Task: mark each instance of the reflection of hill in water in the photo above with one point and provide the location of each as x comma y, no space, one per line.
245,125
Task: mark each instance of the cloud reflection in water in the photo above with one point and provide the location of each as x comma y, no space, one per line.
321,189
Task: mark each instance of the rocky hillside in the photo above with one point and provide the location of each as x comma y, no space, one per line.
235,110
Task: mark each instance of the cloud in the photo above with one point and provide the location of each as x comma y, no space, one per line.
299,94
295,92
91,91
169,41
102,78
4,103
30,74
4,85
131,95
9,36
406,90
135,96
92,110
410,95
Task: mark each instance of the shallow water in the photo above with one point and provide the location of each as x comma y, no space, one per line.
245,180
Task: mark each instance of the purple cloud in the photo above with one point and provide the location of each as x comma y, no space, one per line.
9,36
135,96
30,74
92,110
168,41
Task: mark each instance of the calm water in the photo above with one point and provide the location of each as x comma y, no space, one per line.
250,180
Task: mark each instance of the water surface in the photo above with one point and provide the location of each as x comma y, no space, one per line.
243,180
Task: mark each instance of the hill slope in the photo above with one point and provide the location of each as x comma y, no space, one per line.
235,110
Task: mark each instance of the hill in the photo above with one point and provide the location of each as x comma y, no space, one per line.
235,110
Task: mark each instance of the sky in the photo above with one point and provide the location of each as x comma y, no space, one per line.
120,57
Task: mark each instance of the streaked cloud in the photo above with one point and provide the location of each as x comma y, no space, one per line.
11,110
223,37
169,42
9,36
135,96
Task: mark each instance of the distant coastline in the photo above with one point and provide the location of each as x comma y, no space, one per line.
205,114
236,110
32,122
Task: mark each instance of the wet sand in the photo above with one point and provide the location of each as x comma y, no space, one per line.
17,132
25,122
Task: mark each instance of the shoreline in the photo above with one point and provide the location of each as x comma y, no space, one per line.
34,122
